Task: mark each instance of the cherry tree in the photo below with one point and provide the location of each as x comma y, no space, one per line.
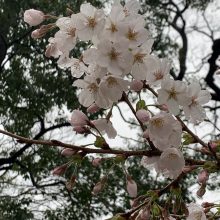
118,63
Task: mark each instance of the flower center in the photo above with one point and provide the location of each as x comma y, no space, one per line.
93,87
172,156
193,101
158,75
158,122
139,57
172,94
132,35
71,32
91,22
113,54
112,28
111,81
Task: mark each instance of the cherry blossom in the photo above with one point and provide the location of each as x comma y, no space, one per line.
78,119
160,69
112,87
105,127
173,93
171,162
91,93
89,22
198,97
114,56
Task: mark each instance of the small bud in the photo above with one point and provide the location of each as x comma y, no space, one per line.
136,85
140,105
68,152
203,177
36,34
101,143
78,119
33,17
213,145
99,186
201,192
143,115
70,184
131,186
145,134
120,159
96,162
60,170
93,108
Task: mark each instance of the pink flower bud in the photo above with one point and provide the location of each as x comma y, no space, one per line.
145,134
68,152
36,34
33,17
99,186
96,162
136,85
143,115
131,186
213,145
79,119
203,177
60,170
93,108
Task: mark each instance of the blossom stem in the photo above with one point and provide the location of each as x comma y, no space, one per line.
141,124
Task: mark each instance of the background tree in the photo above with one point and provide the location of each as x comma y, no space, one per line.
36,96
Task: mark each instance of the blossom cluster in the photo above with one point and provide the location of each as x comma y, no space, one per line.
118,58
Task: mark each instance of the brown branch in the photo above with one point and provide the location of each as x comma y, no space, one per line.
55,143
125,98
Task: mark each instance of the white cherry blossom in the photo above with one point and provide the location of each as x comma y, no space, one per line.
89,22
160,126
91,92
114,56
135,32
112,87
160,69
142,61
78,68
198,97
172,140
113,22
173,93
171,162
105,127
